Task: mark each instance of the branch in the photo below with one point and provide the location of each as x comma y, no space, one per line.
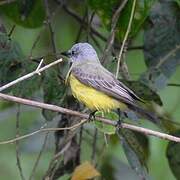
18,160
37,71
42,130
125,37
86,116
48,17
85,24
110,40
167,56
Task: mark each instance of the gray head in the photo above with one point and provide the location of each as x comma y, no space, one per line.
82,52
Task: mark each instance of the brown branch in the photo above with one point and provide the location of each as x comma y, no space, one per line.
48,21
85,23
10,141
111,37
81,28
86,116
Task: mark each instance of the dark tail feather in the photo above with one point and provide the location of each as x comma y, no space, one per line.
145,113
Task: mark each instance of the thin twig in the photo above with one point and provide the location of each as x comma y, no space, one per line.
92,29
96,42
111,37
12,30
80,20
39,156
125,37
165,58
81,28
48,20
29,75
18,160
40,131
86,116
34,44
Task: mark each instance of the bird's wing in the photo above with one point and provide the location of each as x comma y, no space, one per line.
96,76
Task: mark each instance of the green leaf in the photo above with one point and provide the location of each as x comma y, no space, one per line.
136,150
26,13
141,13
178,2
105,9
10,59
173,156
143,91
162,44
13,64
54,91
107,129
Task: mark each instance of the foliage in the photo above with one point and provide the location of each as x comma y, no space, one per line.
156,30
27,13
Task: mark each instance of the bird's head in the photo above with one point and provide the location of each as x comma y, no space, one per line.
81,52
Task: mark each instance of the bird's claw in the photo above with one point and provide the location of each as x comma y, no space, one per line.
91,116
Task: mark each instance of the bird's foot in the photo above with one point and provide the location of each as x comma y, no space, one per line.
120,120
92,116
119,123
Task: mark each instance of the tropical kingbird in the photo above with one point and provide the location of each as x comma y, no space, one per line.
96,87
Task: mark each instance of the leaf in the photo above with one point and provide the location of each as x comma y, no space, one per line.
135,151
141,13
26,13
162,43
178,2
85,171
114,168
173,156
105,9
53,91
10,59
143,91
107,129
13,64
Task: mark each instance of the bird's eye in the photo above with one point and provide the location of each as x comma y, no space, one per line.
73,52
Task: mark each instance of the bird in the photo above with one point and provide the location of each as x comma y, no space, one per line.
96,87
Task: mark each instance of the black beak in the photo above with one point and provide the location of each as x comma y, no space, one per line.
66,53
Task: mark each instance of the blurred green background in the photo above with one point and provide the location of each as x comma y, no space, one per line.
66,29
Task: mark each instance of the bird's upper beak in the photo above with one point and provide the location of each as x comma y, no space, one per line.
66,53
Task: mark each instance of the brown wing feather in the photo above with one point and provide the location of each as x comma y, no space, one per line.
98,77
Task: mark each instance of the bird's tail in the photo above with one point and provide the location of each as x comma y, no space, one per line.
145,113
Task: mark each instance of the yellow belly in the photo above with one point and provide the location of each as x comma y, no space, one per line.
93,99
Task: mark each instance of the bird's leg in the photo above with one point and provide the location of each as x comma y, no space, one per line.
92,116
120,120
